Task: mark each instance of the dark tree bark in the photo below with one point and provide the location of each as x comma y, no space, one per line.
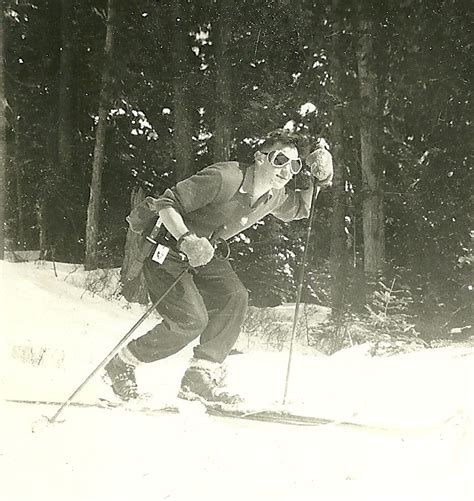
338,250
20,236
223,120
182,135
95,198
42,226
372,173
66,92
3,141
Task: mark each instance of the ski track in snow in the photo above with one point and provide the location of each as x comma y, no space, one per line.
427,397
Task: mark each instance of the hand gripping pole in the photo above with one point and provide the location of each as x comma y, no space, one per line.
215,239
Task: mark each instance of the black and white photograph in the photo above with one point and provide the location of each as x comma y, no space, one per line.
236,247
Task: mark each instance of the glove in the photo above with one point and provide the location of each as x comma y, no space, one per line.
320,163
198,250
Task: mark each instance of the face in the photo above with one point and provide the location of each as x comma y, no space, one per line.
275,175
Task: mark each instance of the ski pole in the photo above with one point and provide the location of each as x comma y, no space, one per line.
117,347
215,239
299,290
321,166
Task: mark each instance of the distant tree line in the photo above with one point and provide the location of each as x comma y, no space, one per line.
100,98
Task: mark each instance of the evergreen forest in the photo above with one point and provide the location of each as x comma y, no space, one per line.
103,101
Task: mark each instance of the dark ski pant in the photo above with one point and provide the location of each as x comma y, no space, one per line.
208,302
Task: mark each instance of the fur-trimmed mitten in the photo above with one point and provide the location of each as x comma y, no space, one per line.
198,250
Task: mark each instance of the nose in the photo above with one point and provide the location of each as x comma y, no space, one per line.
286,171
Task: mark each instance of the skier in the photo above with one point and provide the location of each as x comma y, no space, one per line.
209,302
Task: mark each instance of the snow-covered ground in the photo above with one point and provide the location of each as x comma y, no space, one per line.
421,406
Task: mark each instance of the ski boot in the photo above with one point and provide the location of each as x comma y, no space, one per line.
203,381
122,379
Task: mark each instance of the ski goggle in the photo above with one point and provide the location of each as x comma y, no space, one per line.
279,160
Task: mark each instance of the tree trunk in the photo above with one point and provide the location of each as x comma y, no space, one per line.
372,173
223,121
3,139
66,76
95,198
136,290
20,240
40,213
338,250
182,134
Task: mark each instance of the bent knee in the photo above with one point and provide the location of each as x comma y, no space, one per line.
191,325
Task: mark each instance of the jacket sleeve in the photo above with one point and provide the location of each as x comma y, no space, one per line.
193,193
293,204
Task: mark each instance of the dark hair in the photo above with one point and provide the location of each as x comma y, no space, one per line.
286,138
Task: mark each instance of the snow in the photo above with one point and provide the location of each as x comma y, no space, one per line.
421,445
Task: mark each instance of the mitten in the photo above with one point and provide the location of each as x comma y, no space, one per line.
198,250
320,163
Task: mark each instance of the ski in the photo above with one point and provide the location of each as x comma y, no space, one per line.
221,411
100,404
229,411
215,410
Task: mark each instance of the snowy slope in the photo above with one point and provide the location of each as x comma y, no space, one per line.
54,334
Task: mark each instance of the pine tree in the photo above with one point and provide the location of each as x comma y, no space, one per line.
93,211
